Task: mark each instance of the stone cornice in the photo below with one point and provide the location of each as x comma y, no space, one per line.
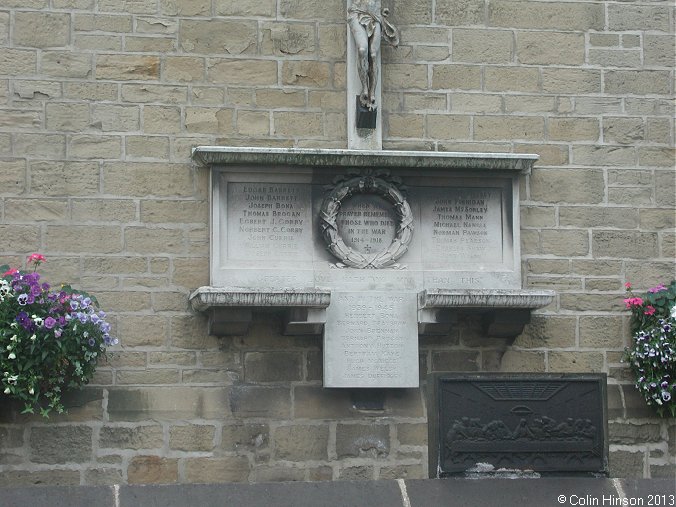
226,155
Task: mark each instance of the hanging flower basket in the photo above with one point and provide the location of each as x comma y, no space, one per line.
652,356
50,340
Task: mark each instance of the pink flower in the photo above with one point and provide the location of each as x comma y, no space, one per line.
649,310
36,258
10,272
627,285
629,302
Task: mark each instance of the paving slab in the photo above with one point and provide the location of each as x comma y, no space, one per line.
57,496
290,494
487,492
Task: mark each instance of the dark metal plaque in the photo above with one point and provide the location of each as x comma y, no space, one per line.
545,423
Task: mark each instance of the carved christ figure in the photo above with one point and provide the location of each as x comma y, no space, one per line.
368,27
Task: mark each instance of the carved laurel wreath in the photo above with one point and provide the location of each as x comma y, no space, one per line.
380,184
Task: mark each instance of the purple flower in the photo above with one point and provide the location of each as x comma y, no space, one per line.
658,288
92,342
25,321
74,305
58,332
50,322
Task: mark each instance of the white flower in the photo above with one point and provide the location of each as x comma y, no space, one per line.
13,338
11,355
673,312
33,338
7,391
31,391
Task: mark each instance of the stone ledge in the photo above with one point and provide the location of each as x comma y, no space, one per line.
205,298
226,155
504,312
230,308
485,298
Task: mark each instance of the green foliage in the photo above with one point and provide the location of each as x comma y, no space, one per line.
49,340
652,356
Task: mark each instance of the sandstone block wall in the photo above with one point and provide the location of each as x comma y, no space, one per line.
101,102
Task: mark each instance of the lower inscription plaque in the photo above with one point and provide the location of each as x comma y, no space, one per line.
545,423
371,340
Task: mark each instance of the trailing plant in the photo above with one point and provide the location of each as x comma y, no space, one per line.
652,355
50,340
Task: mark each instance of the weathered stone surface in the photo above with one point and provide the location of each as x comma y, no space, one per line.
127,67
152,470
359,440
628,434
148,403
455,361
329,10
299,443
550,15
272,366
626,463
567,185
245,437
218,37
136,437
244,72
253,401
464,77
465,12
482,46
264,8
68,444
41,29
215,470
550,48
192,438
627,244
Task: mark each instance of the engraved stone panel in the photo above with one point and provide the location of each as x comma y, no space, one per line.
269,221
546,423
462,225
371,340
367,223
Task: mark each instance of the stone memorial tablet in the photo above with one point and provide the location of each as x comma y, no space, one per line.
362,234
371,339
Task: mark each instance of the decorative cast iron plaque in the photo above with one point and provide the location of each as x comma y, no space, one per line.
545,423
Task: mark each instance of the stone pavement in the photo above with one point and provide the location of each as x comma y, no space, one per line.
541,492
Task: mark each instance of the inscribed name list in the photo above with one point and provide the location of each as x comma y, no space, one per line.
463,225
371,340
269,221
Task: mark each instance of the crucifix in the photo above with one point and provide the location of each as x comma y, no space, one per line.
367,26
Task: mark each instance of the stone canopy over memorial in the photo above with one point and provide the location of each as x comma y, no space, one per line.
368,248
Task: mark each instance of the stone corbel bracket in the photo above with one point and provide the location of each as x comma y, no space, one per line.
230,308
504,313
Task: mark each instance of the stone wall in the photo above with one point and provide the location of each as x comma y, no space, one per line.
101,102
